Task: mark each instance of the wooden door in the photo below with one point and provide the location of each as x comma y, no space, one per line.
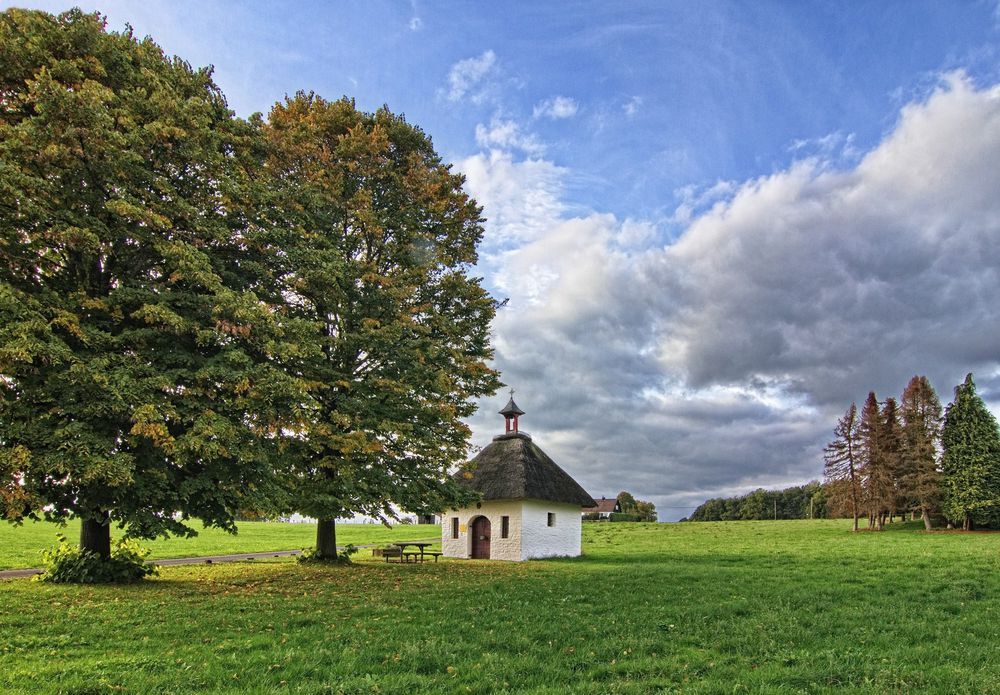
480,530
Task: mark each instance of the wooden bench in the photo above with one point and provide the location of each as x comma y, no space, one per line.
389,553
435,554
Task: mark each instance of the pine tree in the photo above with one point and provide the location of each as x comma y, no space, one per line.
920,411
971,458
842,462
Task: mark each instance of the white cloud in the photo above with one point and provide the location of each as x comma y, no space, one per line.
467,75
632,106
556,108
521,198
507,134
721,361
416,24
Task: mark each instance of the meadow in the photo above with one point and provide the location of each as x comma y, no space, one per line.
21,546
737,607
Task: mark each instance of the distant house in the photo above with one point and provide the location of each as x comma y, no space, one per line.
530,507
604,508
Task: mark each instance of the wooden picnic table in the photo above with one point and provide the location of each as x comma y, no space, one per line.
420,552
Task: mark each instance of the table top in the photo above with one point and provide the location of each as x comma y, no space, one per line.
419,544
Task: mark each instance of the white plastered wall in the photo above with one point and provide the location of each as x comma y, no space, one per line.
500,548
538,539
530,535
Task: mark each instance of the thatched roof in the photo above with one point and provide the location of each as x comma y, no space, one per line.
513,467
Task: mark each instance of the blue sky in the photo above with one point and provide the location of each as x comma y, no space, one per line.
718,223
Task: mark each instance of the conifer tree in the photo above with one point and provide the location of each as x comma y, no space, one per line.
876,474
971,458
920,411
842,462
891,442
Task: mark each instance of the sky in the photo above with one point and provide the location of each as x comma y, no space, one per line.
717,223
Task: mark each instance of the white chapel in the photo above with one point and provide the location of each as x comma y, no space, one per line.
530,507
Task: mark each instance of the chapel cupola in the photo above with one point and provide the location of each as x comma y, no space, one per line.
510,413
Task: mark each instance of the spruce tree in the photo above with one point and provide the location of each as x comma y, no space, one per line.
891,442
971,458
920,411
876,474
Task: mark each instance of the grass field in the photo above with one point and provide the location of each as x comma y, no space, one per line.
20,546
760,607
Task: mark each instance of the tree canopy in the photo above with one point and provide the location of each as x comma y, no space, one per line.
197,311
971,458
378,239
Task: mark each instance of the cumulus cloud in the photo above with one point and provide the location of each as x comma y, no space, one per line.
521,198
466,77
506,134
556,108
719,362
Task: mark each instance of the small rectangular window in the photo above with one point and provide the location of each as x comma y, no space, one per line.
454,527
552,518
504,526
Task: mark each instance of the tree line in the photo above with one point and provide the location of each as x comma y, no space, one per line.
896,458
202,314
797,502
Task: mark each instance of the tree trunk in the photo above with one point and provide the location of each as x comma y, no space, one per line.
326,539
926,515
967,522
95,535
855,520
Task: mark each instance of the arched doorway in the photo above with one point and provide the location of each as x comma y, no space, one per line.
480,531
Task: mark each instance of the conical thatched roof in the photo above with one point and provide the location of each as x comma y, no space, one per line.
513,467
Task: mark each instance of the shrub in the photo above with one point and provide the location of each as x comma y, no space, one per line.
343,557
68,564
620,516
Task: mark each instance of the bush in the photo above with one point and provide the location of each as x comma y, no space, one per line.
67,564
621,516
343,557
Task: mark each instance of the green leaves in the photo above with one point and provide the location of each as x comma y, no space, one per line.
376,262
196,310
67,564
136,359
971,460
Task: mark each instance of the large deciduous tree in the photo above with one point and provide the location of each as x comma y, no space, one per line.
135,376
920,411
971,458
842,463
378,240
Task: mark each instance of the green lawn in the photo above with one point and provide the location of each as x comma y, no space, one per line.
20,546
761,607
